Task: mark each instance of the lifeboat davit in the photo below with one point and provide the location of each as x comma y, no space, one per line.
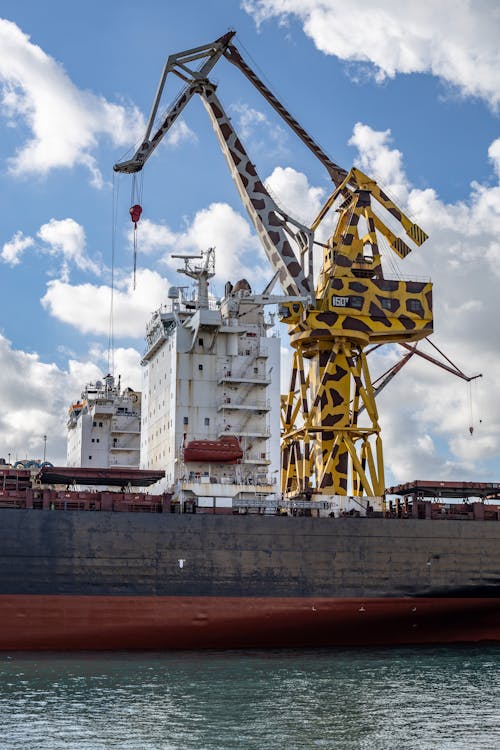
224,450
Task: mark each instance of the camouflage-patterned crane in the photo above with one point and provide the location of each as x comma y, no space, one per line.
324,448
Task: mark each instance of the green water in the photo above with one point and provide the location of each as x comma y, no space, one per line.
439,698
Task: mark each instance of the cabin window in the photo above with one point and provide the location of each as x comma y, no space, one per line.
186,420
357,302
94,424
207,421
386,303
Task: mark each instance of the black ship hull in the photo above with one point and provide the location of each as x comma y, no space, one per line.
103,580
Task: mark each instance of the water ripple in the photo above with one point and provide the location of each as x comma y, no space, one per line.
416,699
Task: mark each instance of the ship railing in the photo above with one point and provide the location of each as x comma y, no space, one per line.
257,457
94,499
124,445
190,436
263,501
261,431
261,376
190,304
253,481
197,476
101,406
232,403
426,509
273,502
126,425
231,322
121,462
230,479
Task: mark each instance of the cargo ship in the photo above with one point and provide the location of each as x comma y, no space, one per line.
209,511
115,570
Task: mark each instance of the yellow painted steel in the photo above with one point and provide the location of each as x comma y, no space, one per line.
326,450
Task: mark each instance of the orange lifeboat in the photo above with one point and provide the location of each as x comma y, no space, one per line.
224,450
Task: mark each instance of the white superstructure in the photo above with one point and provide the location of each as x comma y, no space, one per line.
211,392
104,426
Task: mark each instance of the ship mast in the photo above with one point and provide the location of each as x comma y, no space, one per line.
200,272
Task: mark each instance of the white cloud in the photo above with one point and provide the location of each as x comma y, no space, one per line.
36,397
12,250
248,119
264,134
128,366
179,133
59,237
65,122
151,237
425,417
494,154
67,238
86,307
294,195
238,255
455,40
381,162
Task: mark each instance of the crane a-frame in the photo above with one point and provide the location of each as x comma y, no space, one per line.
326,449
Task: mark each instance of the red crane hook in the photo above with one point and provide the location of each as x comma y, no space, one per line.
135,213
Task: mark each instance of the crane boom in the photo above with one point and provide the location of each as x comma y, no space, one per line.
274,227
338,174
178,65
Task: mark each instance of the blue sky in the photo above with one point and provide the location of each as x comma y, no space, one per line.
409,94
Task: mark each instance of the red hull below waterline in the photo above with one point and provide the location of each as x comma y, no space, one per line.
61,622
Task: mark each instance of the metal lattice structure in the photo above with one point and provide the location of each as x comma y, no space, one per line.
325,448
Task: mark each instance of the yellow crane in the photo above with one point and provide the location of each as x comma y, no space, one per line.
325,448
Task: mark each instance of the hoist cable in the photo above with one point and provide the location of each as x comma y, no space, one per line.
469,403
111,342
136,201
